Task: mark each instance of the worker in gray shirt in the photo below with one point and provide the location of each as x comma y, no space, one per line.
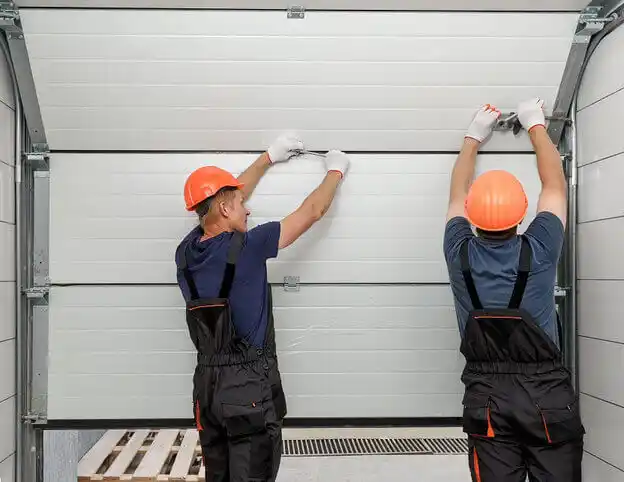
520,408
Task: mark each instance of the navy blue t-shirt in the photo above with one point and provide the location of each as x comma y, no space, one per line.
494,266
249,296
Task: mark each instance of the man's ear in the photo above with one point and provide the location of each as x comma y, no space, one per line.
224,209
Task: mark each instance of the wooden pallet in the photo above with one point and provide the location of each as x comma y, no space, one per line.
144,455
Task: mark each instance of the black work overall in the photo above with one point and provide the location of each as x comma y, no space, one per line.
238,401
520,408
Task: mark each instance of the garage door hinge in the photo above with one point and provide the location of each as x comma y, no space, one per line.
36,292
39,157
591,23
8,11
34,418
561,291
296,11
291,283
566,160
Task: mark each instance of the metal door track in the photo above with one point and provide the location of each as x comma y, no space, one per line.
374,446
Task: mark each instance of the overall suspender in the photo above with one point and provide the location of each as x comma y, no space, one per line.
524,268
230,267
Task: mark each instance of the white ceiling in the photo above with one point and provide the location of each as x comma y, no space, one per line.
440,5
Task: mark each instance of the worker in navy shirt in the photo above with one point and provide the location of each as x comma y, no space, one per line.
520,408
238,400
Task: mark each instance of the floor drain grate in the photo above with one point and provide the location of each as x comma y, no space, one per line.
446,446
373,446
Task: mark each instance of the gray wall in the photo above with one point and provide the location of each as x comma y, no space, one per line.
7,275
601,260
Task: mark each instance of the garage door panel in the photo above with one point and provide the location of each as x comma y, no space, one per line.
196,140
297,362
333,24
303,120
317,250
457,100
299,47
211,72
236,79
386,224
104,228
332,341
172,407
323,339
309,384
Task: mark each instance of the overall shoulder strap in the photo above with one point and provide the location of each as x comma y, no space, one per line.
236,246
523,274
186,272
465,267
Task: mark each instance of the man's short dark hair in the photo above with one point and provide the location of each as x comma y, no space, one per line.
498,235
203,207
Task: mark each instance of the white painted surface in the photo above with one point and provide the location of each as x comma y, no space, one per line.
600,259
7,362
605,425
7,275
7,427
7,468
7,133
7,310
520,5
601,371
599,129
6,87
7,193
595,470
233,80
345,351
429,468
7,252
385,226
603,75
600,310
600,190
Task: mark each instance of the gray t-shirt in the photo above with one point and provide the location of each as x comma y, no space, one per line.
494,266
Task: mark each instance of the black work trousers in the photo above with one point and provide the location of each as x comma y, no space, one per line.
239,411
496,460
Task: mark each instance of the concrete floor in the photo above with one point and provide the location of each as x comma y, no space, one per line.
421,468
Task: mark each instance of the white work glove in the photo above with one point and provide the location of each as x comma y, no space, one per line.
531,113
483,123
284,147
337,161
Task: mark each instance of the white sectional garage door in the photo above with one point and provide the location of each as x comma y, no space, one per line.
372,331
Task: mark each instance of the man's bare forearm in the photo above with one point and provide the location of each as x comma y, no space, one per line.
463,171
252,175
549,163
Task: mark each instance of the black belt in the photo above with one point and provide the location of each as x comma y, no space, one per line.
237,358
511,367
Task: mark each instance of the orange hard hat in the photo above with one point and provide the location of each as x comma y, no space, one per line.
496,201
205,182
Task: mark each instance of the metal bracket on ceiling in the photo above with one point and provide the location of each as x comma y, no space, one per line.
591,23
296,11
8,11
